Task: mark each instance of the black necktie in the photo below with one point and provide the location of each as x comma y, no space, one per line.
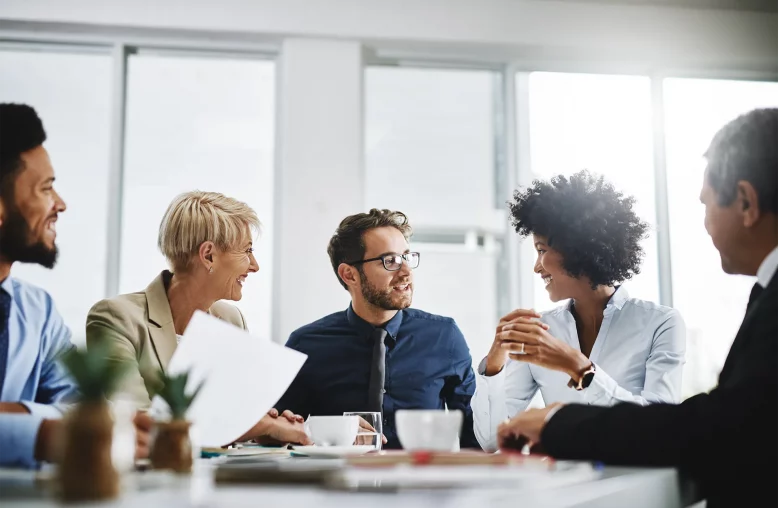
375,398
755,292
5,314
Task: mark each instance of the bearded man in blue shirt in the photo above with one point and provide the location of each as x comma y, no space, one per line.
380,355
34,387
33,384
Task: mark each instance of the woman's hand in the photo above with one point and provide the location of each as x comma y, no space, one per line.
495,360
527,340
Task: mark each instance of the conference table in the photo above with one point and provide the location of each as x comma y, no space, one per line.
580,485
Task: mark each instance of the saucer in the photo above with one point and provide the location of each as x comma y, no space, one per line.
332,451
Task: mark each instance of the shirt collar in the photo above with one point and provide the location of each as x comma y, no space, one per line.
392,327
7,286
768,268
617,299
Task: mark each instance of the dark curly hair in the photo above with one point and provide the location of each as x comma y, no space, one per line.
586,220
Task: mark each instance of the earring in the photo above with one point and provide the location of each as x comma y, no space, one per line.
210,270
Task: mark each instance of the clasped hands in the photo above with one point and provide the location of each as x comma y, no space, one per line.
521,336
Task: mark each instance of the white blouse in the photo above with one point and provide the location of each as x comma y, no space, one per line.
638,355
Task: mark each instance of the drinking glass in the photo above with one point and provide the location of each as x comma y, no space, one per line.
365,436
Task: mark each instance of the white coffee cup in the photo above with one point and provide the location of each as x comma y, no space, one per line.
333,430
433,430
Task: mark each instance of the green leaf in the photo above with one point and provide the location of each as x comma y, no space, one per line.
173,391
96,371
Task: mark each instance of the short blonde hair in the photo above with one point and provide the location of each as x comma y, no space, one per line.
196,217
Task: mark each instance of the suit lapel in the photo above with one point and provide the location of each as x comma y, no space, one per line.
161,329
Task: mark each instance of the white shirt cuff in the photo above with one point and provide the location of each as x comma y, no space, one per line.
494,382
482,368
488,405
602,386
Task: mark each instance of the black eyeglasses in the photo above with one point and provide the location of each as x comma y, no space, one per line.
393,262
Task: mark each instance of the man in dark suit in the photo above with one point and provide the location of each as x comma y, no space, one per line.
726,440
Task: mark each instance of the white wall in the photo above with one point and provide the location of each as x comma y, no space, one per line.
528,28
320,107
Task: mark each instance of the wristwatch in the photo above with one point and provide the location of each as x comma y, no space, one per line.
584,379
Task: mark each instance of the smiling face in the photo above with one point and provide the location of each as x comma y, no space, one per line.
231,268
28,219
549,265
379,287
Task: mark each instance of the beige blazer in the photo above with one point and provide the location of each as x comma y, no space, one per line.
139,328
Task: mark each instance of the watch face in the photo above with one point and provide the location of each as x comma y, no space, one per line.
587,379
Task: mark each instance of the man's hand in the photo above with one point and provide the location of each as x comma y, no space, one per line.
527,340
497,357
527,425
362,439
277,430
290,416
13,407
143,423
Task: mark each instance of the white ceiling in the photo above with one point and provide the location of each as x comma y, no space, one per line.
737,5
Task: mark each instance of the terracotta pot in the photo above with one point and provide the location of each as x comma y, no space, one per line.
86,472
172,447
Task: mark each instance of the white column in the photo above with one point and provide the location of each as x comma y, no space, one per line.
319,179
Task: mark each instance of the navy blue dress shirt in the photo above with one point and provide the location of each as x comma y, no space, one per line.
428,366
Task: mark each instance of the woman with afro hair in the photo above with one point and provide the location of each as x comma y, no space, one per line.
601,347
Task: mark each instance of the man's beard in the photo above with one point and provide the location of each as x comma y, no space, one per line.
381,299
15,243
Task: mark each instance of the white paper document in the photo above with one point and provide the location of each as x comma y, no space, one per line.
244,377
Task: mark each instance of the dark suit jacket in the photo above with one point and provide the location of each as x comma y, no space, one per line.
726,440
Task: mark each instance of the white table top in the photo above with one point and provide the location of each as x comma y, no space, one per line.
611,487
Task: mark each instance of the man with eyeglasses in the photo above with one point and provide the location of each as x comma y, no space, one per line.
379,355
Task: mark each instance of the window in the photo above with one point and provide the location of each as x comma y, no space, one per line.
711,302
71,93
197,123
601,123
430,153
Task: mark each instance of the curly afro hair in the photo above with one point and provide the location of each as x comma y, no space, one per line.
586,220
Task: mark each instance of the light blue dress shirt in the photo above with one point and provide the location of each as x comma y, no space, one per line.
638,355
34,376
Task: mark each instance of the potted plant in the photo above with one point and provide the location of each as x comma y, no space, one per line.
86,471
172,448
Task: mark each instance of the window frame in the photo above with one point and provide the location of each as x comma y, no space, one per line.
511,114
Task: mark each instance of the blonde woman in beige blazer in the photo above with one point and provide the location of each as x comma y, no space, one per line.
207,240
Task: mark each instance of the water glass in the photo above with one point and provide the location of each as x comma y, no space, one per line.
366,436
